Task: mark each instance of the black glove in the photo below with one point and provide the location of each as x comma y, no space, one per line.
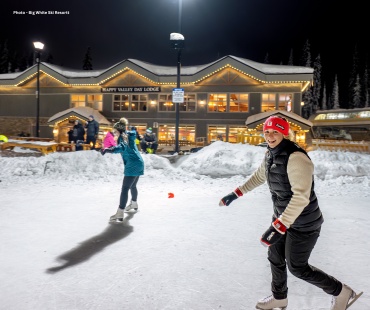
107,150
274,233
225,201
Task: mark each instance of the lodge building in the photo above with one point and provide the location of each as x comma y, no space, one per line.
228,99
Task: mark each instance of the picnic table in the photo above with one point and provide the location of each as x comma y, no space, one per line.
43,147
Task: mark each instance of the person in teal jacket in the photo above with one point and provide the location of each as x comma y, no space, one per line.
133,167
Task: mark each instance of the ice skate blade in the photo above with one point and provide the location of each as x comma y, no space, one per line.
357,296
131,211
116,221
276,308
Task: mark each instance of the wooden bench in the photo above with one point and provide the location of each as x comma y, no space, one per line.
43,147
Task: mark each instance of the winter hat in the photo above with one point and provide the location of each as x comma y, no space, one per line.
277,123
121,125
149,130
91,116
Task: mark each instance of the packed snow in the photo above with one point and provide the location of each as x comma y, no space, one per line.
59,252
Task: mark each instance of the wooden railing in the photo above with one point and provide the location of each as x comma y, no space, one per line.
343,145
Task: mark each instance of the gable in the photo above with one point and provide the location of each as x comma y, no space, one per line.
45,81
128,78
229,76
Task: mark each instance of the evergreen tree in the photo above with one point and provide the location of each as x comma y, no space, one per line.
306,55
335,94
49,58
353,77
316,89
357,93
4,58
290,60
307,96
87,63
323,101
365,87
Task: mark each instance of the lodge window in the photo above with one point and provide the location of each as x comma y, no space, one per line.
165,103
216,133
167,132
92,101
237,134
189,103
131,103
268,102
285,102
239,102
217,102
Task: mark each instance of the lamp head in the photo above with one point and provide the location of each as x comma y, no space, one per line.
38,45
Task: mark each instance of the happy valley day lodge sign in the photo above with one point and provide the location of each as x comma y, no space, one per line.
143,89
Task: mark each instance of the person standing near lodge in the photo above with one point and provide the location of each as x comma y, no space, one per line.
78,132
296,221
92,131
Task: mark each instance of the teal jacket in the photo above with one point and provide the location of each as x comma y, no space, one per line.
134,164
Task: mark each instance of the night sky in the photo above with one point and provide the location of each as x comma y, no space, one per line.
140,29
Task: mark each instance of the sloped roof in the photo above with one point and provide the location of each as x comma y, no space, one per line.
82,112
254,120
164,74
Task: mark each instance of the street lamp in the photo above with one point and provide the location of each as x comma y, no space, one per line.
38,47
177,43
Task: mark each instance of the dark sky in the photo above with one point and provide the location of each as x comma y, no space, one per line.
140,29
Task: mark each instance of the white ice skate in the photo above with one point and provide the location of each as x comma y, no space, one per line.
117,217
345,299
133,206
270,303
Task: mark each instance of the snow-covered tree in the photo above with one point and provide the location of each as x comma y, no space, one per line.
335,94
307,96
357,93
323,101
306,55
4,58
353,77
316,89
290,60
87,63
365,87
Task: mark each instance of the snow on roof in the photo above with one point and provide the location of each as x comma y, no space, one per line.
168,70
82,111
263,116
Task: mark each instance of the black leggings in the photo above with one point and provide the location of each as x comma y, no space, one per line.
129,183
294,250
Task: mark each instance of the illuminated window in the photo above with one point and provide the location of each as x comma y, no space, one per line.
217,102
78,101
189,103
120,102
237,134
165,103
167,132
285,102
131,103
268,102
239,102
92,101
139,102
216,133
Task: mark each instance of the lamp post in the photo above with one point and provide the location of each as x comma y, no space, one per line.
177,43
38,47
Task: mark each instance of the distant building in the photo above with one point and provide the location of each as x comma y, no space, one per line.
218,99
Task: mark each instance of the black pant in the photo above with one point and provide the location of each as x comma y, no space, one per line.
294,250
128,183
90,139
